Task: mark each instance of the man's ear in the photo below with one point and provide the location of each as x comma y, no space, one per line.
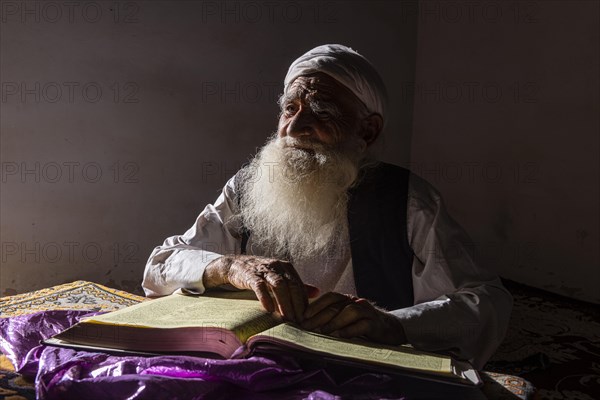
371,128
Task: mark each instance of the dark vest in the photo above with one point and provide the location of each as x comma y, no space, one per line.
381,255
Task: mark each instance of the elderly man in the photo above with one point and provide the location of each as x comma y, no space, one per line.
313,214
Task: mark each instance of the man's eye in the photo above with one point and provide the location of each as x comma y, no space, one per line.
290,110
323,115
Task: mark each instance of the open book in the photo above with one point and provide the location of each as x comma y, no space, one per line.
227,325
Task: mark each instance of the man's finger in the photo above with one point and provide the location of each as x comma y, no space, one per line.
296,290
298,298
281,293
328,309
349,315
260,288
327,300
361,327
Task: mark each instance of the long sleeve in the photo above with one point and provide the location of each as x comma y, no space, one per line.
459,307
181,260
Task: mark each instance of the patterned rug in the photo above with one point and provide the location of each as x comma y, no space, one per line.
79,295
553,342
14,387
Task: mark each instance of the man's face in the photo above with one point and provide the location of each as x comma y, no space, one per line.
317,109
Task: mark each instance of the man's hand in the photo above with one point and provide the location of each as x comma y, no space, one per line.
275,283
348,316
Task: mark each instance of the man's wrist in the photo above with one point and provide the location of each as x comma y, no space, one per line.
397,335
215,273
399,328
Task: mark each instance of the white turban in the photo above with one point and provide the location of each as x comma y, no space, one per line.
348,68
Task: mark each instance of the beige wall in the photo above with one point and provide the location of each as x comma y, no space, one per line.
91,183
506,126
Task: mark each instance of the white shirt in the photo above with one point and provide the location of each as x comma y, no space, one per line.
459,307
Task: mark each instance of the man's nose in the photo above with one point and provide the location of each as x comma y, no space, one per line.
302,124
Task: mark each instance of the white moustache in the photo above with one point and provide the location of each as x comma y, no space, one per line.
303,144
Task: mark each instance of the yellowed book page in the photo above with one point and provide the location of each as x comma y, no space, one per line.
243,317
399,356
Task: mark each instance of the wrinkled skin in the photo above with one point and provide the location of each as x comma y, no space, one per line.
275,283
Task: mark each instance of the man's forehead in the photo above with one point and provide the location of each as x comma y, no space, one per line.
320,85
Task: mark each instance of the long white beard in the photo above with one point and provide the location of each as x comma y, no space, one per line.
294,201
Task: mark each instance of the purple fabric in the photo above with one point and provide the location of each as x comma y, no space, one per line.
20,336
68,374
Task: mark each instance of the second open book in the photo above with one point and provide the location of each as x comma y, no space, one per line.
230,326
